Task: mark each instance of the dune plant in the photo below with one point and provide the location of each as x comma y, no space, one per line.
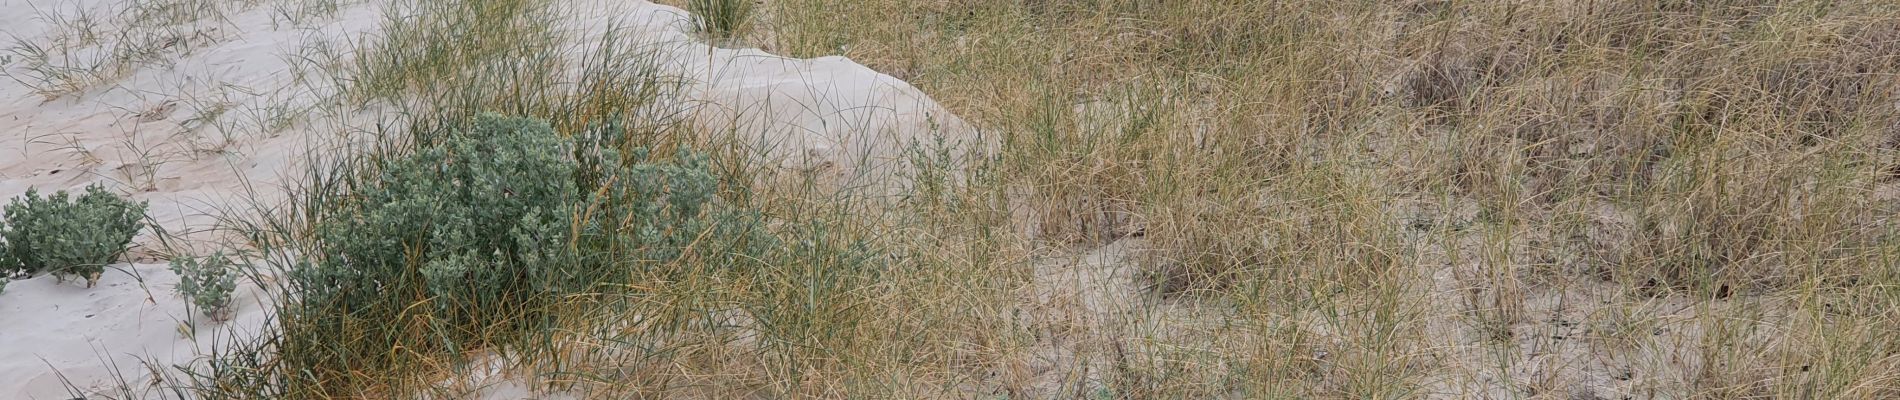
208,283
722,20
496,220
70,236
8,265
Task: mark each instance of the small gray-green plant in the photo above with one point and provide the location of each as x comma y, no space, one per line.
208,283
490,220
69,237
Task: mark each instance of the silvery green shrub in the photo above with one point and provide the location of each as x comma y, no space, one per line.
67,236
503,213
8,266
208,282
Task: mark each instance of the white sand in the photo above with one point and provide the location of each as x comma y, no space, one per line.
826,113
62,332
155,133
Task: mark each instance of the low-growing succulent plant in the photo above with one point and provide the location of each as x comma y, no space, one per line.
67,236
208,283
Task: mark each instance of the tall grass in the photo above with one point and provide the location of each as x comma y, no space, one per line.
723,21
1394,164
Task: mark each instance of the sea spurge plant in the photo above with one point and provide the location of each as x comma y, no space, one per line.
67,236
208,283
8,265
453,210
502,215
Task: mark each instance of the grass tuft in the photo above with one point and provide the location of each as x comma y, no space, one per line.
723,21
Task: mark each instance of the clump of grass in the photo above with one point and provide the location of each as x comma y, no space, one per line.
723,21
432,47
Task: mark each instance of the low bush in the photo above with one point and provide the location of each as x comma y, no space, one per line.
69,237
485,225
8,265
208,283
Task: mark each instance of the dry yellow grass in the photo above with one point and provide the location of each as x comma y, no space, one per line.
1432,198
